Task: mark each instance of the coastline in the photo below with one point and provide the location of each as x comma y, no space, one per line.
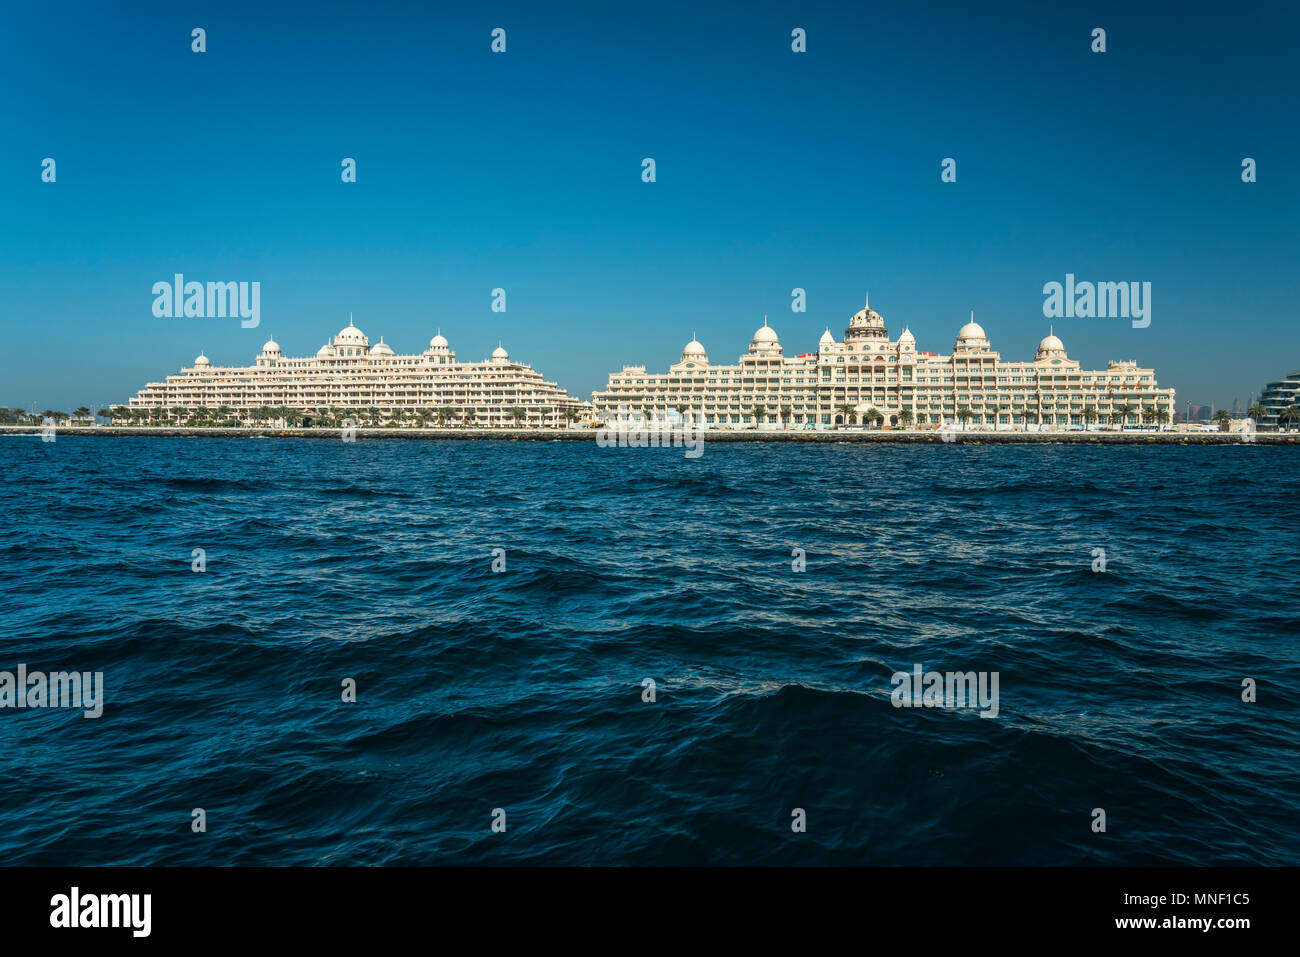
894,436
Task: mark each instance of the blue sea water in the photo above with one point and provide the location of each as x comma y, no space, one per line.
522,690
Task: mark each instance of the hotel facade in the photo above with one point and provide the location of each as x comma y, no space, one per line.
1277,397
348,377
844,381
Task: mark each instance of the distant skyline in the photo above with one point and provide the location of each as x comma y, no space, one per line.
522,171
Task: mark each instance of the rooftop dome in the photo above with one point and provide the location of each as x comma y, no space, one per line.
271,346
499,354
325,352
765,333
202,360
972,330
439,342
350,335
381,349
1050,348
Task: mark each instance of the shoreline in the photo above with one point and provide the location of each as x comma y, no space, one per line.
895,436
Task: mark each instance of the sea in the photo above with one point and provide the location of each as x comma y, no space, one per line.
317,652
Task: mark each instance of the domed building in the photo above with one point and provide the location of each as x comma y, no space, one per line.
439,351
693,357
765,341
1050,348
347,376
868,378
971,338
866,326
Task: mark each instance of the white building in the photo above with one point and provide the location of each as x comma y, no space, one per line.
348,377
843,382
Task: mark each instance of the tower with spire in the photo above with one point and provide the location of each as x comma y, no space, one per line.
866,325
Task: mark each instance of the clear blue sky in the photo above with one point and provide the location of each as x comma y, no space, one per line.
775,170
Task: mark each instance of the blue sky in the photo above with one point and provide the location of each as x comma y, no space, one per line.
522,170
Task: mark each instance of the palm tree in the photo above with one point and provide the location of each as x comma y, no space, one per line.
1089,415
786,412
1256,411
871,417
905,418
545,412
81,412
1224,418
845,410
1124,411
965,414
571,415
1290,415
517,413
760,413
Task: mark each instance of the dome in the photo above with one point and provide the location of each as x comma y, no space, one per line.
202,360
325,352
972,330
765,341
381,349
827,339
1051,344
271,346
350,335
499,354
439,342
693,348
